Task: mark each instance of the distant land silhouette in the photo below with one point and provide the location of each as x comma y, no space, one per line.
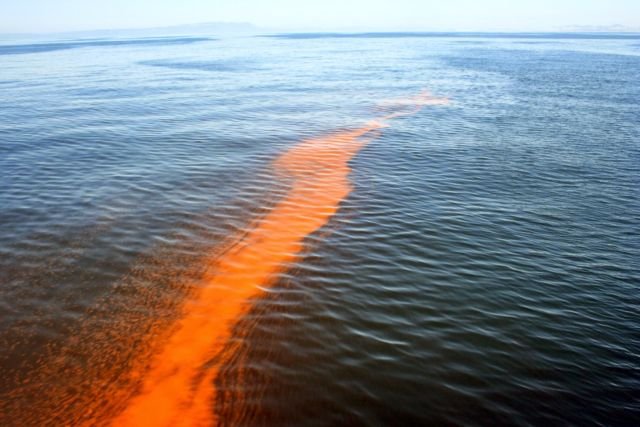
210,28
247,28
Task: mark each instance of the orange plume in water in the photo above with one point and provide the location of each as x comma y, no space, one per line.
178,389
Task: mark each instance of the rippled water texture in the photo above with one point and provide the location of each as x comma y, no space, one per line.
291,230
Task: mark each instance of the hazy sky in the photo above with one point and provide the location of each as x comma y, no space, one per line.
471,15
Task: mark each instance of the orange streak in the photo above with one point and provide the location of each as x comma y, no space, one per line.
178,390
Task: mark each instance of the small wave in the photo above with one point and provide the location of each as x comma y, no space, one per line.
215,66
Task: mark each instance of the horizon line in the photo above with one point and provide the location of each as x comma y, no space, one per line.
248,27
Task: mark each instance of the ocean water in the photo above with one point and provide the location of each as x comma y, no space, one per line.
320,230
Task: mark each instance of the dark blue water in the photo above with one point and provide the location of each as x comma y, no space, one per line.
484,270
16,49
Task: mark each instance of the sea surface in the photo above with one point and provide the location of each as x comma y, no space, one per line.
398,229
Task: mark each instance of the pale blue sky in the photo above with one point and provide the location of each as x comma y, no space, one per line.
469,15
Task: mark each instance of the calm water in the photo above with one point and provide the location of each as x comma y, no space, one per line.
483,269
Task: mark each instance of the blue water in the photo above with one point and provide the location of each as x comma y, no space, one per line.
484,270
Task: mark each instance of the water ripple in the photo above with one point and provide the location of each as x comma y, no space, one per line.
482,270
